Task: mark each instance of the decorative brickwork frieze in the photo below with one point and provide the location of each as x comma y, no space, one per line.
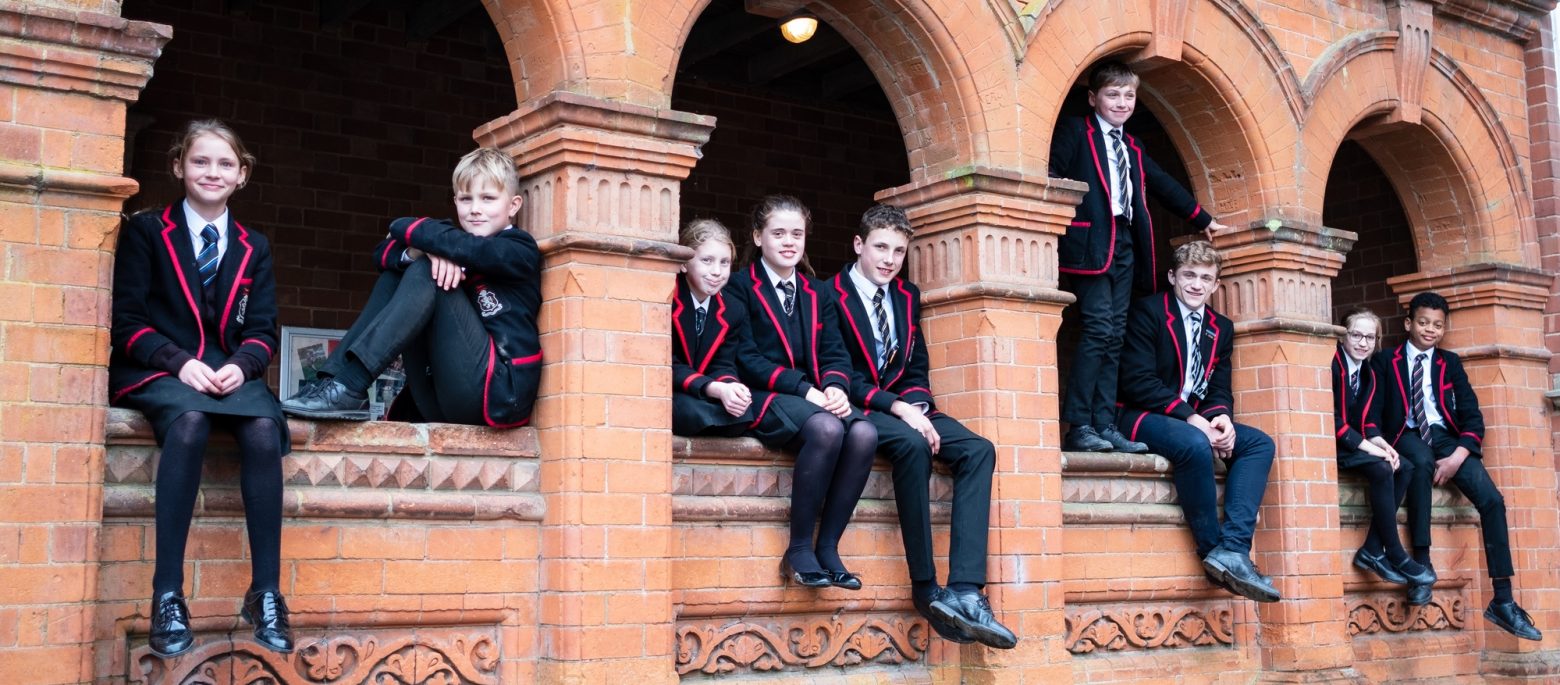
1113,628
757,644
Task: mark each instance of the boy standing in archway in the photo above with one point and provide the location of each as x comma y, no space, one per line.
1111,236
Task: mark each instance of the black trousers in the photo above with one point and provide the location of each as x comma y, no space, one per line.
1472,480
439,335
972,458
1090,398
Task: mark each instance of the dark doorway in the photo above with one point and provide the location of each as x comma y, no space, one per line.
356,109
807,120
1360,198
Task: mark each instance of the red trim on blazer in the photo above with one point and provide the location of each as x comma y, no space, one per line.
690,379
410,227
487,382
1110,254
1342,430
868,399
524,361
817,326
137,336
720,338
384,258
173,255
909,330
778,370
839,287
1343,367
762,410
915,388
144,381
238,281
1397,371
1137,423
677,310
758,289
1153,256
1180,356
257,341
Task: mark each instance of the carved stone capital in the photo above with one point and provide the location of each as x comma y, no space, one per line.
1415,24
987,227
1479,285
599,166
78,51
1281,272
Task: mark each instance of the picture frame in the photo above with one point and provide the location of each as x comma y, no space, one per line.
304,351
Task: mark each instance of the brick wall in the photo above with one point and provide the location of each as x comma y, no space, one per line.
1360,198
353,125
832,157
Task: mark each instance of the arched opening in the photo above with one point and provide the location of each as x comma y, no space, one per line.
357,111
1360,198
805,119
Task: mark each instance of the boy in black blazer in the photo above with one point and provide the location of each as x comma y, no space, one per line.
1176,397
1431,415
460,302
1111,236
880,321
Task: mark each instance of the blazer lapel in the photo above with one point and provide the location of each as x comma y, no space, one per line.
1100,153
856,314
230,273
770,301
904,327
176,240
682,322
1210,340
1177,332
807,307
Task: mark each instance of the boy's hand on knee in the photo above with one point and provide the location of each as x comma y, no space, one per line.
918,422
1448,467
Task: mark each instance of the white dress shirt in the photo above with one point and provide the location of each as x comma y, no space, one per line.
1189,380
197,224
1426,384
1118,201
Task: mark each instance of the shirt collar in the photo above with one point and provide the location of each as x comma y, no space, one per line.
1105,127
1414,351
1186,314
196,222
865,287
697,304
774,279
1349,364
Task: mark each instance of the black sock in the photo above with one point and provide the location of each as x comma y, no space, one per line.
1502,589
921,590
354,374
963,588
1422,555
178,484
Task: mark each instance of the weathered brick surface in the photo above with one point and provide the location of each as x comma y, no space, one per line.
595,548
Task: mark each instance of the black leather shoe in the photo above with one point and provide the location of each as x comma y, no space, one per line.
267,612
1424,576
1236,571
844,579
171,634
1120,443
948,631
329,400
1378,565
804,578
1085,439
1512,619
1418,595
971,612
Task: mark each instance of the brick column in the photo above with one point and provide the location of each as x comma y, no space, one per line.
69,76
1277,287
601,184
984,256
1497,326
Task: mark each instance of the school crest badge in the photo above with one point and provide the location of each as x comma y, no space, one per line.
243,306
488,303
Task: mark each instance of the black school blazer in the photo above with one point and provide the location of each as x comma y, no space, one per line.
503,276
1078,152
157,324
1356,416
818,360
905,375
1454,396
698,360
1153,363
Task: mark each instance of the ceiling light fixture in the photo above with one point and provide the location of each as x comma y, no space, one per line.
799,27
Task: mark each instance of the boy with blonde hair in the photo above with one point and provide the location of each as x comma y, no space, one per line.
459,305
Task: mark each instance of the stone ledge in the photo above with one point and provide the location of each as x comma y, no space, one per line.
376,469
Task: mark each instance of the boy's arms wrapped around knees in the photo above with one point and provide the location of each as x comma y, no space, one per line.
510,255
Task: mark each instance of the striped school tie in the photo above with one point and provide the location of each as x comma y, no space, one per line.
1194,343
207,259
1417,379
1354,382
1123,186
884,341
788,291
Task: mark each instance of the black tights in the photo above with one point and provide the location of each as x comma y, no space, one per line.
178,483
831,471
1385,488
